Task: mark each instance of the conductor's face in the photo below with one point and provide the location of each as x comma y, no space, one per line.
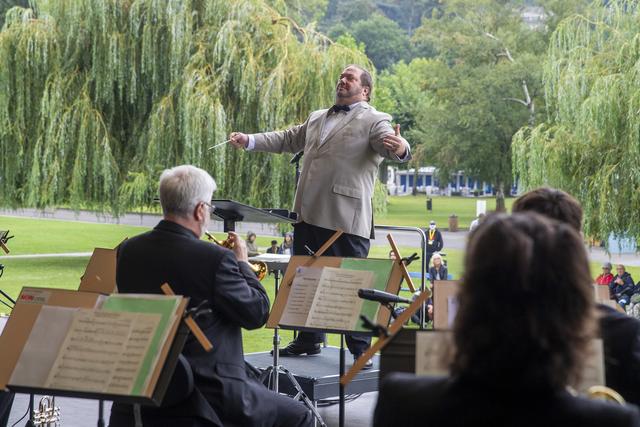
349,89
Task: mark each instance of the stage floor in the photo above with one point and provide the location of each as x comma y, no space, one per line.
318,375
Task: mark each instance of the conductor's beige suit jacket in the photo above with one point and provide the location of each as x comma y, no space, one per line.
337,179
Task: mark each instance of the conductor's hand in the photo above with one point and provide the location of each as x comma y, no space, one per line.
395,143
239,139
239,247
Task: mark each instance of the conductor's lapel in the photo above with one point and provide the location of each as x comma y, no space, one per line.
355,112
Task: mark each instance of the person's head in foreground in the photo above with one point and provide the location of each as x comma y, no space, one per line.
251,236
552,203
185,197
516,327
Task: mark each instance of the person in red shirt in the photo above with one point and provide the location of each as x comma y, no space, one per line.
606,277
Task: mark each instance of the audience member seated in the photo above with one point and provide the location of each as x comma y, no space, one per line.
606,277
287,245
252,248
621,287
620,333
438,271
520,338
274,248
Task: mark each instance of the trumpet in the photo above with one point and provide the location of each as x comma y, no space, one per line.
259,267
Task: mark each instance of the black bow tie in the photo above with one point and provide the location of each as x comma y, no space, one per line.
337,108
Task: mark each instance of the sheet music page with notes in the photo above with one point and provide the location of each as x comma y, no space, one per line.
336,304
103,351
303,290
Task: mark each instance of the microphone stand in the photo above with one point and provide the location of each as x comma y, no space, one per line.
295,160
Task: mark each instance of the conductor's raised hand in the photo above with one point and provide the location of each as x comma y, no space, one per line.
239,247
239,139
395,143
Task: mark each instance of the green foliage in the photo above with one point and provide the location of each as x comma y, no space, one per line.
463,106
589,145
379,198
385,42
97,97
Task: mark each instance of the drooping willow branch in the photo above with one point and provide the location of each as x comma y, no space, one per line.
590,144
98,96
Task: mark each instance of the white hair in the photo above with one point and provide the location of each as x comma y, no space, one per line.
436,255
183,187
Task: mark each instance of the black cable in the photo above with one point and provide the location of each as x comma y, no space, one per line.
4,303
21,418
7,297
323,403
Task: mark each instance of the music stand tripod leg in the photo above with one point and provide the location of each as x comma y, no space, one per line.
342,387
301,395
30,421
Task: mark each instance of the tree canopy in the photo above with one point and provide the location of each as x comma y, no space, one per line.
98,96
590,143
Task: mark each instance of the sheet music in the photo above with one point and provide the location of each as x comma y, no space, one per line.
336,304
128,366
40,350
102,351
432,350
303,289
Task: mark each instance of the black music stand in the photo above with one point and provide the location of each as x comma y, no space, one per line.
230,212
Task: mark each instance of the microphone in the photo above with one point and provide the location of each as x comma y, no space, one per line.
381,296
297,157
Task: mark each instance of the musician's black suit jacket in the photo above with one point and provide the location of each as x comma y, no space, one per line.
621,338
405,399
203,271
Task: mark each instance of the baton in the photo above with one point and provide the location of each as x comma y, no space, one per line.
218,145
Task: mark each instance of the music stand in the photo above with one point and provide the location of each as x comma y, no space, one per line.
230,212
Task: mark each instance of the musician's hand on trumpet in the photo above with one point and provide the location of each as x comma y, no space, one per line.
238,246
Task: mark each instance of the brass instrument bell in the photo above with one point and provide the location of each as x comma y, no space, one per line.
260,268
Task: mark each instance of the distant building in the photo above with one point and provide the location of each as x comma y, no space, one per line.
534,17
400,182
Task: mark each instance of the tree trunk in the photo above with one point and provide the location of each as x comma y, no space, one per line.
414,191
500,205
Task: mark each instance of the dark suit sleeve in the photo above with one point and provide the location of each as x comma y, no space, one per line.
439,241
633,372
238,294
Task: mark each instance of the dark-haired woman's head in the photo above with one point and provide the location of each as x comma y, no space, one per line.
525,316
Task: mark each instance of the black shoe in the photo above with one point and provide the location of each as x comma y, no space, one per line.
296,349
367,365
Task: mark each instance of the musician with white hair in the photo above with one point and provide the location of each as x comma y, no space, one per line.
221,280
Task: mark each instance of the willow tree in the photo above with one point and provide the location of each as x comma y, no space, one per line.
590,145
98,96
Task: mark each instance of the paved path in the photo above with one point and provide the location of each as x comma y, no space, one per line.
60,255
452,240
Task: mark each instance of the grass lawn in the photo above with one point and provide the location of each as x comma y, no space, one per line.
42,236
411,211
34,236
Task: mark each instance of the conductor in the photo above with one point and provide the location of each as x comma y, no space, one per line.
343,147
173,253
